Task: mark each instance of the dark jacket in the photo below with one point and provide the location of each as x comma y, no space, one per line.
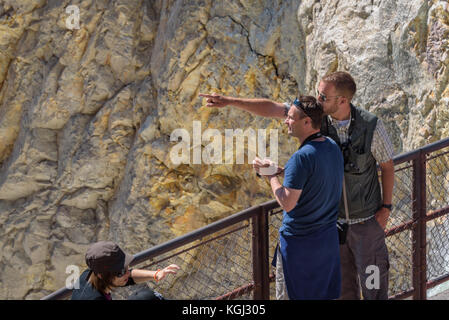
87,291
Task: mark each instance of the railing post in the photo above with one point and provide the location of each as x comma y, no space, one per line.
419,231
260,255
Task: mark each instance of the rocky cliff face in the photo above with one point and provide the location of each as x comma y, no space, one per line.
86,114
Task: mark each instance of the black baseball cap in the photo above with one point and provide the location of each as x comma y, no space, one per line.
106,256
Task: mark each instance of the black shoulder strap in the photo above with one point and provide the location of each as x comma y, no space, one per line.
310,138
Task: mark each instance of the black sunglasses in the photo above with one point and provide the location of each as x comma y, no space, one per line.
122,273
323,96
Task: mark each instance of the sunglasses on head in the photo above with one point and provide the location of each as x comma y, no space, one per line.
301,106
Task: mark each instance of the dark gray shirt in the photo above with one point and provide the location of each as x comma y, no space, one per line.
87,291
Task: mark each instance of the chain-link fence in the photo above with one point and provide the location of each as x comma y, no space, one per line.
209,268
437,202
399,242
231,259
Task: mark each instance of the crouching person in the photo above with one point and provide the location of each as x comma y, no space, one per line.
109,269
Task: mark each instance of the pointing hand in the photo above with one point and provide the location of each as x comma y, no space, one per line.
215,100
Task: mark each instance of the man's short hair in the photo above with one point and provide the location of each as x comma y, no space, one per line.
310,107
343,82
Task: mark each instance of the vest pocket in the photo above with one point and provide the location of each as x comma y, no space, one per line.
363,161
363,195
355,162
354,197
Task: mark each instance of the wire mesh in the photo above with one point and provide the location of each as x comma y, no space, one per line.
437,248
402,195
209,268
401,262
275,222
437,180
400,244
437,186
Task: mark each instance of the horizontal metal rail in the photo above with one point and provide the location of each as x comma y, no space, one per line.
411,155
437,213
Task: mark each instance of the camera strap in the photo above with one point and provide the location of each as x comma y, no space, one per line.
310,138
345,200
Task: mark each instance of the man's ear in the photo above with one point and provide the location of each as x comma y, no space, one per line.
343,100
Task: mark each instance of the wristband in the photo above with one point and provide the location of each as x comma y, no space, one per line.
155,278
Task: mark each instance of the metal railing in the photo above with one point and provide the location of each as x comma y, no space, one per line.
230,258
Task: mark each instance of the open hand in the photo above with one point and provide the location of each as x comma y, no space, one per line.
173,268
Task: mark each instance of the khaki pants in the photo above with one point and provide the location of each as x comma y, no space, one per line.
364,262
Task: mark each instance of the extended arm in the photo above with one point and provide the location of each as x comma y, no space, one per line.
260,107
140,275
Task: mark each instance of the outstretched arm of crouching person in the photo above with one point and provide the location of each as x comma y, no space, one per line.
260,107
140,275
